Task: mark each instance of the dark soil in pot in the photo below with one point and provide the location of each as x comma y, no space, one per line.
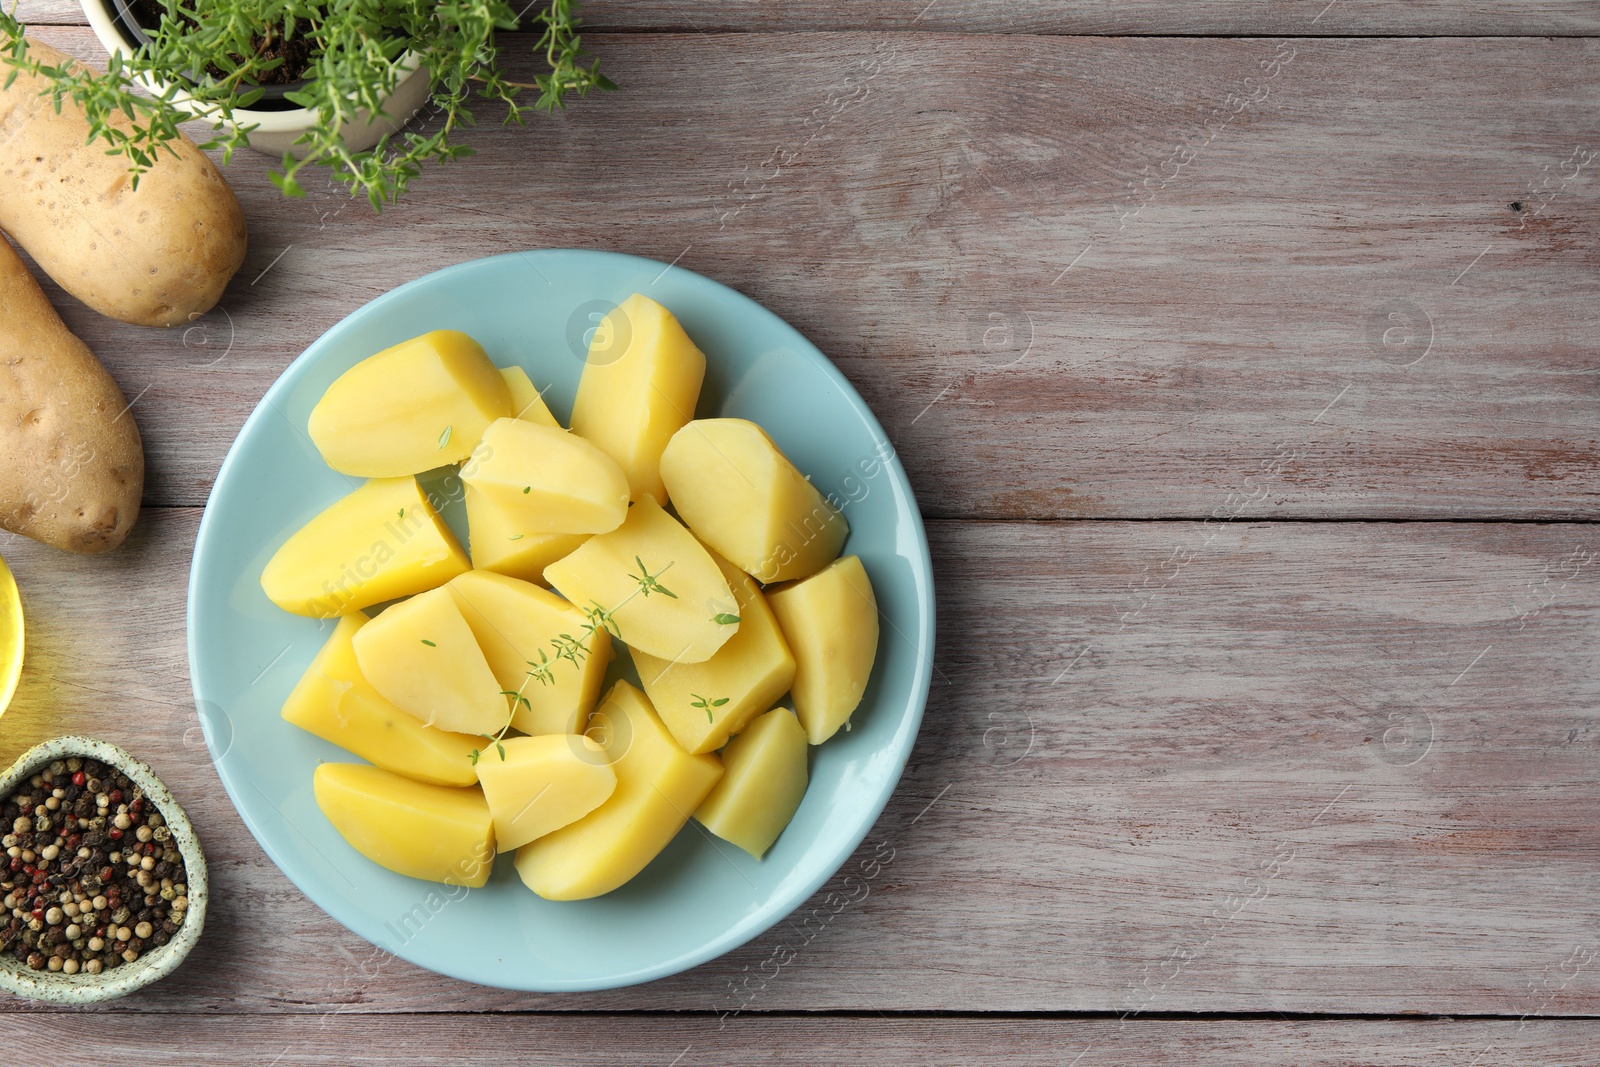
133,18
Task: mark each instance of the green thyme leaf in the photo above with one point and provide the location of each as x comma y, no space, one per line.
354,51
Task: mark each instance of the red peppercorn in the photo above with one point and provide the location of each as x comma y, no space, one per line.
137,806
116,796
38,913
16,863
79,778
106,874
115,834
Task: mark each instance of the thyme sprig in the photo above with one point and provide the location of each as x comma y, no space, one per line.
496,739
648,583
360,54
706,705
575,649
596,617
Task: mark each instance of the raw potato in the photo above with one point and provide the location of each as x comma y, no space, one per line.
550,480
688,622
417,405
333,701
380,542
526,403
740,494
499,542
658,785
831,622
703,704
74,465
515,623
159,255
421,654
763,781
433,832
535,785
639,386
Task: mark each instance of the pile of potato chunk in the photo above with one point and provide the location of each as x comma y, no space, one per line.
475,693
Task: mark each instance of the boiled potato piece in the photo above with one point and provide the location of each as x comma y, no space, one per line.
739,494
551,480
639,386
665,593
831,622
158,255
526,403
705,703
434,832
500,543
333,701
417,405
74,464
421,655
763,781
658,786
380,542
519,627
541,784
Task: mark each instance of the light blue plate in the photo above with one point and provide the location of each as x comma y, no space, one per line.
702,896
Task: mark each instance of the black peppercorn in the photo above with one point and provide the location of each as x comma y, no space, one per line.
91,797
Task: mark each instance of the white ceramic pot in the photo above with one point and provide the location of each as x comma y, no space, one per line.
276,131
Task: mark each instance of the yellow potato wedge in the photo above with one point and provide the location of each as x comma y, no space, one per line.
433,832
763,781
658,786
333,701
831,622
382,541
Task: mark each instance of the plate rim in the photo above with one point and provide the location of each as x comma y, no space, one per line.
910,729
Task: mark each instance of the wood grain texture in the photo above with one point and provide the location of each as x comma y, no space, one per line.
1073,292
1295,17
1167,767
633,1041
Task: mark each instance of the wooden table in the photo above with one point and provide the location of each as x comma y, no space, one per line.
1244,361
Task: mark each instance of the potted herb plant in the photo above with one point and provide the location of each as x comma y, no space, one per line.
320,84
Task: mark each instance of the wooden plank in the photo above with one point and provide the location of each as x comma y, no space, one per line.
50,13
1367,294
1167,767
1291,17
654,1041
1287,17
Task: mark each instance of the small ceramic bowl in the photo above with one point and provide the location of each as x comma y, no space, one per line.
57,988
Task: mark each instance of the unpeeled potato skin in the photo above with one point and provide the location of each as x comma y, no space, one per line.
159,255
74,465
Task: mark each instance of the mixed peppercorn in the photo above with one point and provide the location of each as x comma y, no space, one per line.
93,879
